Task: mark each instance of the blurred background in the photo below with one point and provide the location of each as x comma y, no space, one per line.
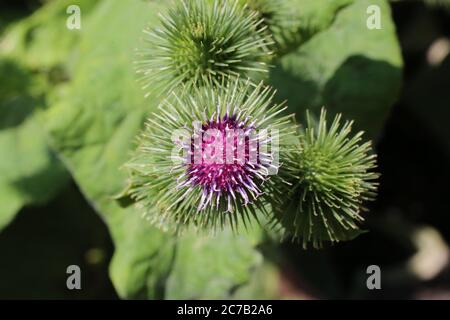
409,223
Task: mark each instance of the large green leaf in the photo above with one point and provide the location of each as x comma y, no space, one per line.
93,127
29,171
43,41
211,267
31,52
347,67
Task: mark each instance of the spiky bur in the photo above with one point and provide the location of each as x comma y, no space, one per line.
207,157
281,20
200,42
329,176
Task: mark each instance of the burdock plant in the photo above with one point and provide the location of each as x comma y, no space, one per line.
219,151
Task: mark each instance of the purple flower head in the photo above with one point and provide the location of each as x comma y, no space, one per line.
226,161
210,157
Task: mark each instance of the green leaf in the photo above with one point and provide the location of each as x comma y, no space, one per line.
43,40
31,51
347,68
143,258
29,171
311,17
93,126
211,267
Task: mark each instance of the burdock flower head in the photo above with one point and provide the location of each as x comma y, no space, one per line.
207,157
330,176
200,42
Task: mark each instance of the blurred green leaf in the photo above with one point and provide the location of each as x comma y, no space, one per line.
211,267
29,172
264,284
43,40
347,68
30,52
93,127
309,17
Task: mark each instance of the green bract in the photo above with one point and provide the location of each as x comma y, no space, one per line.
199,42
182,169
329,177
